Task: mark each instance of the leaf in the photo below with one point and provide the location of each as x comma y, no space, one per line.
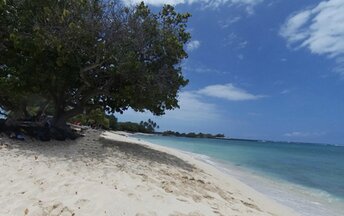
65,13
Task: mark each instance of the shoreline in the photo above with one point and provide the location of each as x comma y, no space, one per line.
241,139
105,173
302,199
210,167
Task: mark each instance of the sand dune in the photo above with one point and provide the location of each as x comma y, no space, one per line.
106,173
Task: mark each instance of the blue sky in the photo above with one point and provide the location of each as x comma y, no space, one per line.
261,69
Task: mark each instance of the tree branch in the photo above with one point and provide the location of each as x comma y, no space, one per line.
88,68
73,112
89,93
78,110
91,67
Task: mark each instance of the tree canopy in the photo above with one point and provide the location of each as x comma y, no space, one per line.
64,57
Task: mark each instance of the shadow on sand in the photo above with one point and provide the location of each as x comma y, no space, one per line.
92,147
146,153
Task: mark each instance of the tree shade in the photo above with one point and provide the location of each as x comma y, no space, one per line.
64,57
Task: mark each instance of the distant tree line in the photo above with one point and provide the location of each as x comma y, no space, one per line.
142,127
99,119
192,135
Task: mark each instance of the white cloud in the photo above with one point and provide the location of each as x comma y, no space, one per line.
228,92
304,134
319,29
203,70
192,45
198,67
193,111
240,57
248,4
340,66
242,44
229,21
234,41
230,39
292,29
193,108
286,91
206,3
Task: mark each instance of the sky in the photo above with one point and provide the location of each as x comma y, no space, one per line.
261,69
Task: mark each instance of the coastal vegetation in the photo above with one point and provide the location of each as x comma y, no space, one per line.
192,135
96,118
142,127
67,58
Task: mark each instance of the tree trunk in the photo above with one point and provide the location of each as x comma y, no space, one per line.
59,122
59,129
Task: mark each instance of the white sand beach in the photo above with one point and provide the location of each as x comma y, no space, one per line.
107,173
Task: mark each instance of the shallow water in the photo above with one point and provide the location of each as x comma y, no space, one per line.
306,177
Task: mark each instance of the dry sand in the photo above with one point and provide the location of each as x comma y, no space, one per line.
112,174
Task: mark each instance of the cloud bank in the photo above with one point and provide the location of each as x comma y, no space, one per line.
195,108
228,92
193,113
320,30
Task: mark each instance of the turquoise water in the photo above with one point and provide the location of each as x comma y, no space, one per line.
307,177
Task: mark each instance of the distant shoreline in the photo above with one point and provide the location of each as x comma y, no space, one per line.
242,139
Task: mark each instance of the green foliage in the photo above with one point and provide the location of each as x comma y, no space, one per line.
113,123
149,126
86,54
96,118
142,127
130,127
192,135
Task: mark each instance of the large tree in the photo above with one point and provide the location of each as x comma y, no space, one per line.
67,56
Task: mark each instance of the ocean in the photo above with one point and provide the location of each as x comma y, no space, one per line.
308,178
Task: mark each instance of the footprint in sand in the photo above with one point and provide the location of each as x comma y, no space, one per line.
208,197
159,197
167,186
250,205
81,202
133,195
197,198
182,200
58,209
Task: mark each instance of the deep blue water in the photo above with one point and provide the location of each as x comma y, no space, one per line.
312,166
